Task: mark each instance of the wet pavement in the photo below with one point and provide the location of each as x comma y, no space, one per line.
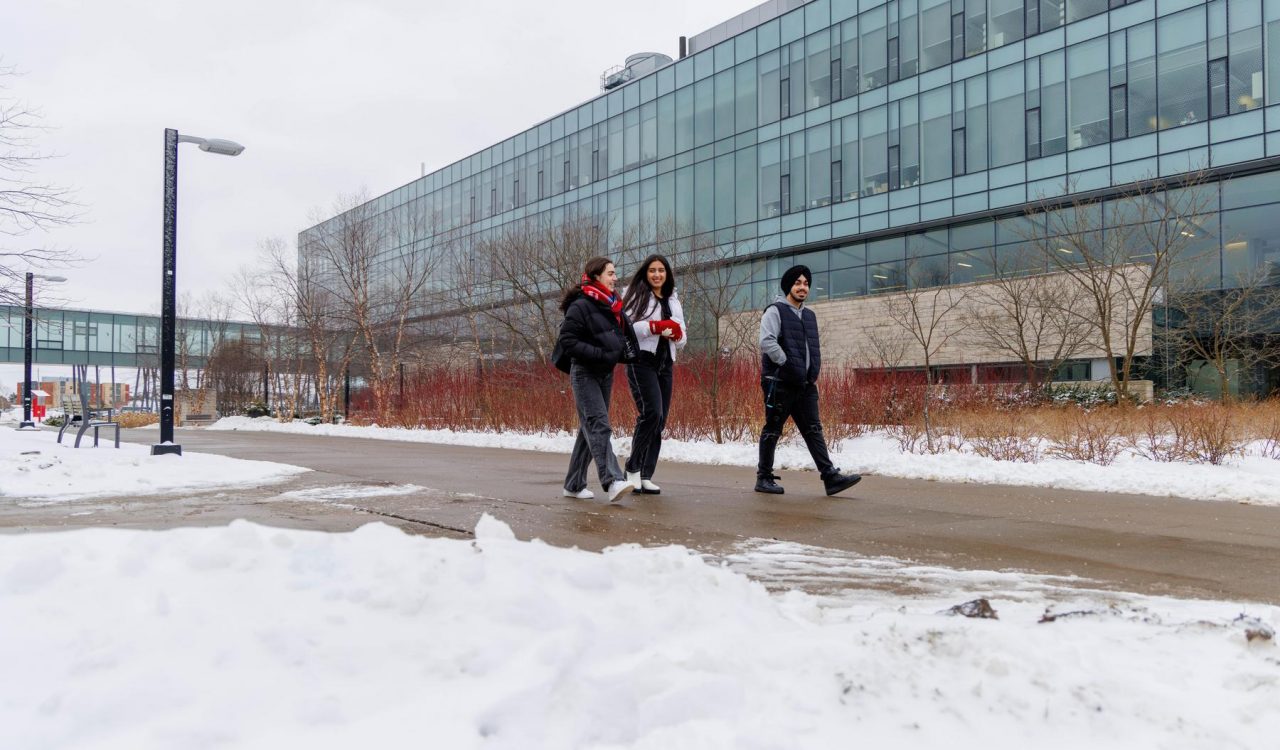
1154,545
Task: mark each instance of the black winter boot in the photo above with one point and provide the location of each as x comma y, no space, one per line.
838,482
768,484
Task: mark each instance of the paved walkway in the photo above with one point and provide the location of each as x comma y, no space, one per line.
1132,542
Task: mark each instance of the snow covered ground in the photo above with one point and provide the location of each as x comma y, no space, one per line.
35,468
252,637
1251,479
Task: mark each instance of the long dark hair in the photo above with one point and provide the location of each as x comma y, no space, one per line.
639,294
593,269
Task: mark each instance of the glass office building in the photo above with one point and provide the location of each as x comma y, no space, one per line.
856,135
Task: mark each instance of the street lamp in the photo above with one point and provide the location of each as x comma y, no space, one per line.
169,301
26,347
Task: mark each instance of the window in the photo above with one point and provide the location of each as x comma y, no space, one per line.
835,79
895,176
975,123
1218,87
818,70
1140,93
769,77
1245,67
957,37
874,58
784,190
957,152
935,34
784,97
1053,13
1086,90
745,105
1006,145
837,180
1006,23
1272,21
818,147
1033,133
1181,77
874,146
975,26
908,140
770,179
935,111
893,59
1119,113
849,58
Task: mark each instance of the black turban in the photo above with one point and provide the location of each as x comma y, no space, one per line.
793,273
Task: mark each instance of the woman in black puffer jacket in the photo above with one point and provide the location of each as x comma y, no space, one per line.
597,336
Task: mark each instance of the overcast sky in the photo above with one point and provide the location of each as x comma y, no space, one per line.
327,97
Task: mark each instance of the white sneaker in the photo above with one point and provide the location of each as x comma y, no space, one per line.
582,494
633,478
618,489
649,488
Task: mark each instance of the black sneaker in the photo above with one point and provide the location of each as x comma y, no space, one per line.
768,484
837,482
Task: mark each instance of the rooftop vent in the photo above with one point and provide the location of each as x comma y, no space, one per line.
636,66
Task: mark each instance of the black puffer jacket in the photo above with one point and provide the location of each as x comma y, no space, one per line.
591,335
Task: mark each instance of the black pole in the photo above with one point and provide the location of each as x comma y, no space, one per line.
346,394
168,296
26,359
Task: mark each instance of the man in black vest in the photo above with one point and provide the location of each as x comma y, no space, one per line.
791,358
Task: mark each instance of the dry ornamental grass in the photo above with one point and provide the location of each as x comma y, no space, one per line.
1002,422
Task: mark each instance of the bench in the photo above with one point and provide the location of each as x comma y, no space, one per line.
75,409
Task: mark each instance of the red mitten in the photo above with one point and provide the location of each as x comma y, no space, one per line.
668,328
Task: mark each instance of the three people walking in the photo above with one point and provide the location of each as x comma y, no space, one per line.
645,330
657,318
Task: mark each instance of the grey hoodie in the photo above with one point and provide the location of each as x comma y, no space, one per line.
771,326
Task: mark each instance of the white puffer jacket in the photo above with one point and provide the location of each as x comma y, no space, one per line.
649,341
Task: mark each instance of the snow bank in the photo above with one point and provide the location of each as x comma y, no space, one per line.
34,466
251,637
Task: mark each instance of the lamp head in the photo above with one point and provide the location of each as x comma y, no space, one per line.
221,146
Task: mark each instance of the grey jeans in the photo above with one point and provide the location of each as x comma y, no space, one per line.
591,393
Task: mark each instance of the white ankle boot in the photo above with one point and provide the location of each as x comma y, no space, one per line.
647,487
582,494
618,489
633,478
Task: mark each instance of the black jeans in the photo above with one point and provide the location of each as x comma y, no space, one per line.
651,389
800,403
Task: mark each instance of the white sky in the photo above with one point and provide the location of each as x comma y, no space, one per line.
328,97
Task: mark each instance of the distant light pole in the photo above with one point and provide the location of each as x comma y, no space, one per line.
169,299
26,347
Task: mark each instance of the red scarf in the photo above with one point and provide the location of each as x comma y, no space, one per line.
598,293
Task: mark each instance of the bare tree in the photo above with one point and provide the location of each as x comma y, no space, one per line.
26,202
1122,252
526,266
1215,327
926,313
382,270
1039,319
287,291
711,286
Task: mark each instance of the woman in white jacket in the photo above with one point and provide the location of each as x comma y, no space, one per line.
654,308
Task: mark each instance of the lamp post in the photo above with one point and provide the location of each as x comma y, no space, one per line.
26,347
169,300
